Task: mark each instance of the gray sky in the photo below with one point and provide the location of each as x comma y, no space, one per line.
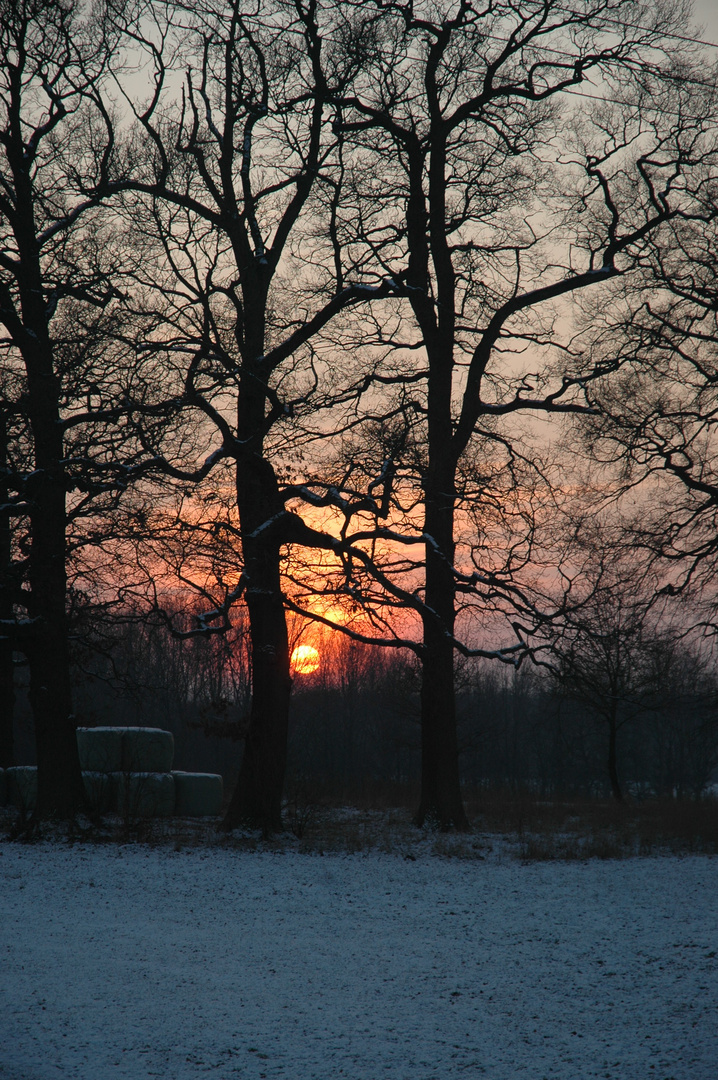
706,13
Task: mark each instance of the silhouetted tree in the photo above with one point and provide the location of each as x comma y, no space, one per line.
56,147
486,194
228,203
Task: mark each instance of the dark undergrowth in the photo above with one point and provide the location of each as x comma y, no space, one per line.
591,828
504,825
569,827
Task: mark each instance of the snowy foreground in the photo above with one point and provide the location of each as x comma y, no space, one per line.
133,962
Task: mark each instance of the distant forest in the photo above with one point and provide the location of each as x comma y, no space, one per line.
354,733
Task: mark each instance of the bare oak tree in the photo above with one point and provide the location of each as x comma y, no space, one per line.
56,149
229,196
489,195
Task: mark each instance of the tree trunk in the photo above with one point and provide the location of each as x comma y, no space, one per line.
60,791
7,681
440,803
7,705
612,757
257,799
60,787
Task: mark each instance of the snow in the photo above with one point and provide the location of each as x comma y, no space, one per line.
131,961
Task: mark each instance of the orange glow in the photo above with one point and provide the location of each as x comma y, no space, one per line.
305,660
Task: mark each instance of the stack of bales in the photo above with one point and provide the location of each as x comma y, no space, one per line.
130,770
127,770
19,787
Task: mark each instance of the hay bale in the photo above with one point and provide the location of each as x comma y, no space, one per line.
100,749
22,787
148,750
101,791
3,788
198,794
145,794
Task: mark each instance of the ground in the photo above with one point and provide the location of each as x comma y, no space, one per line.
126,961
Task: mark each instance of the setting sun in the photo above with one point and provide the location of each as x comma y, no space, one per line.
305,660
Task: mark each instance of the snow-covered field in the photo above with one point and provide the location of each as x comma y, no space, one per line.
133,962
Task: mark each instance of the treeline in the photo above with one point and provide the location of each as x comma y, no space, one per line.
355,724
516,733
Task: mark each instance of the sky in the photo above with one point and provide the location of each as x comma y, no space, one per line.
706,13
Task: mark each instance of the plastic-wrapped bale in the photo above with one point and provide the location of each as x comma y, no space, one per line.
100,749
198,794
101,791
145,794
147,750
22,786
3,788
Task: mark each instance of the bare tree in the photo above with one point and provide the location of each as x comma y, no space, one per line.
56,153
228,207
487,193
651,436
603,649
